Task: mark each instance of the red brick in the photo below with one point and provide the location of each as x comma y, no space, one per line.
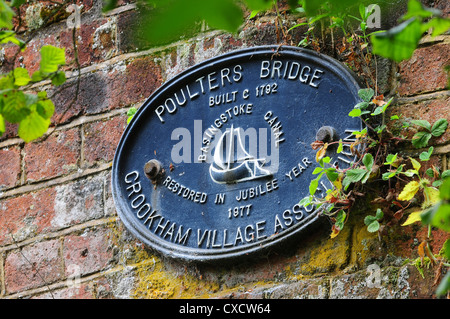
431,111
81,291
33,266
31,56
10,158
57,155
95,41
134,84
89,251
26,216
101,139
424,72
92,97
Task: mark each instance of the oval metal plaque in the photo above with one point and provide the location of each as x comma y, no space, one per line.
213,165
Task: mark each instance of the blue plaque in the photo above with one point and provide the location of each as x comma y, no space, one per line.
214,163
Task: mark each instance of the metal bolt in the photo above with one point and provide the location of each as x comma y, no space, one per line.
326,134
152,169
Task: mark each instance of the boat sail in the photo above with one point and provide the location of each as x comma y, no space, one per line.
232,163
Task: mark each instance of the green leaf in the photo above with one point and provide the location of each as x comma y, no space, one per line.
353,176
10,36
445,174
21,77
438,24
108,5
340,147
368,161
15,107
390,159
438,216
444,286
422,123
416,9
425,156
260,5
399,42
45,108
6,15
313,186
332,174
420,139
2,125
355,113
340,219
32,126
51,58
439,127
59,78
366,94
373,227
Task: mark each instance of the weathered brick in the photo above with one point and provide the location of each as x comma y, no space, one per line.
91,97
90,251
33,266
79,291
95,41
26,216
101,139
58,155
424,72
10,158
135,83
78,202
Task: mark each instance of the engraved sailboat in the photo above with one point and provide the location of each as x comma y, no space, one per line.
232,163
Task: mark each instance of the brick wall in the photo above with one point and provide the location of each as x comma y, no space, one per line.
60,236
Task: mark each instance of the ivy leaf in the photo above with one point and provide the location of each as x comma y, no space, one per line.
438,24
399,42
355,113
51,58
439,127
366,94
420,139
32,126
409,191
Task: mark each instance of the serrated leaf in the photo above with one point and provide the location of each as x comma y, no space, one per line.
409,191
413,218
422,123
420,139
439,127
32,126
368,161
15,107
59,78
45,108
51,58
21,77
425,156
